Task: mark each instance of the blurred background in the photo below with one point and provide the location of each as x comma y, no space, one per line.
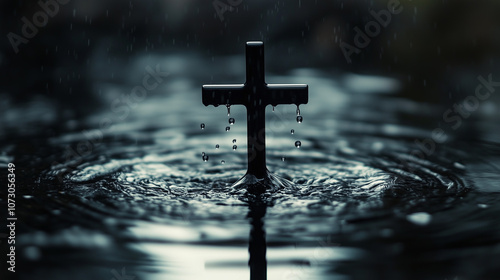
397,176
436,49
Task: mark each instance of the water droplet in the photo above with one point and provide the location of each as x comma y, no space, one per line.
300,119
202,126
282,158
228,109
298,111
205,158
235,147
217,146
231,121
222,161
227,128
234,141
202,154
298,144
292,131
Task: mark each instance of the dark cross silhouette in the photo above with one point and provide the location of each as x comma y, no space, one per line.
255,95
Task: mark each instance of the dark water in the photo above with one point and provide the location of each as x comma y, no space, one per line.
368,202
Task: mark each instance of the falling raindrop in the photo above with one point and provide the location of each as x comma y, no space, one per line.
228,110
202,154
235,147
222,161
227,128
234,141
202,126
217,146
292,131
298,144
300,119
231,121
205,158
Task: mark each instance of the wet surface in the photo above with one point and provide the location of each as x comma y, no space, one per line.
374,196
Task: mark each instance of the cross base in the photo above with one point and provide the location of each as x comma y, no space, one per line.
271,182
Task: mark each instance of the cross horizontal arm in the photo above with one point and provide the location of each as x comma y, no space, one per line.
286,94
223,94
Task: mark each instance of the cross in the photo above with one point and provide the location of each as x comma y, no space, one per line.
255,94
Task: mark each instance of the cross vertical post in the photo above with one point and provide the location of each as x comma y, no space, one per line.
255,94
256,110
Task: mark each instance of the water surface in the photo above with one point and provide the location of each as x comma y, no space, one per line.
367,202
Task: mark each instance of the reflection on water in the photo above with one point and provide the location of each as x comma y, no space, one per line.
140,201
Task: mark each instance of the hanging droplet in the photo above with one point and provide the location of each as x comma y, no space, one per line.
202,126
298,144
228,109
298,110
222,161
234,141
292,131
231,121
205,158
235,147
227,128
217,146
300,119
